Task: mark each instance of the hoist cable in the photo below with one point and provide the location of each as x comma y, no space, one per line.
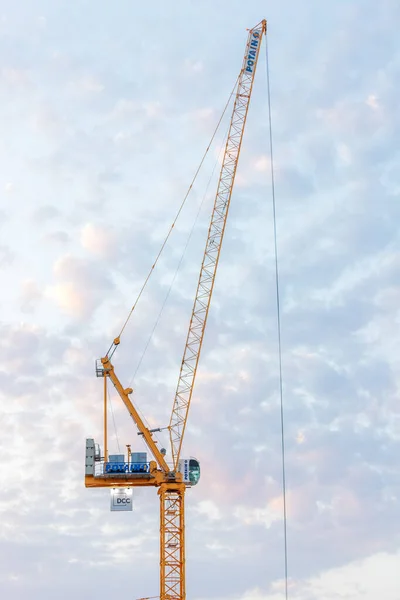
180,261
279,328
176,272
112,347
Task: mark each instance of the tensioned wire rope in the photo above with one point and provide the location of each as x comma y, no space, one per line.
113,345
278,307
158,319
180,261
181,258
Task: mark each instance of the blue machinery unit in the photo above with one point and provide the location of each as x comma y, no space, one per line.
136,465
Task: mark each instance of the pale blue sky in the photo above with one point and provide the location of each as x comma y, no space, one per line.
105,111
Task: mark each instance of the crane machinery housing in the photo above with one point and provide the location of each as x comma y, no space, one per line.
120,473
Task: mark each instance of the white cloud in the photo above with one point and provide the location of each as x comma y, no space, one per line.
372,102
99,141
367,579
98,240
71,299
344,154
194,66
31,294
80,285
87,84
263,163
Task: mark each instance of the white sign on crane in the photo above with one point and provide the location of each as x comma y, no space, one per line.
121,499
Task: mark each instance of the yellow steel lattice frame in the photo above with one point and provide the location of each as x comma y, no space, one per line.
215,236
172,541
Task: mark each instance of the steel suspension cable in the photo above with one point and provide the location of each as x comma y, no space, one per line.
113,345
278,305
179,264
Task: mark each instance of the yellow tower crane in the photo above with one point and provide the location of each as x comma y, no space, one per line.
172,480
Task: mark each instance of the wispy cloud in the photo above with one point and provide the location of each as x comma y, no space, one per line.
104,118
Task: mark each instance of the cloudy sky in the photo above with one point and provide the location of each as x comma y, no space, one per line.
106,109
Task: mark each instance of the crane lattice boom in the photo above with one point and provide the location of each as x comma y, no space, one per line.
215,236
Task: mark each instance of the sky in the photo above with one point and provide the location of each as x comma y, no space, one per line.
106,110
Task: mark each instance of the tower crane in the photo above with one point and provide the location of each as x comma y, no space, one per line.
172,479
